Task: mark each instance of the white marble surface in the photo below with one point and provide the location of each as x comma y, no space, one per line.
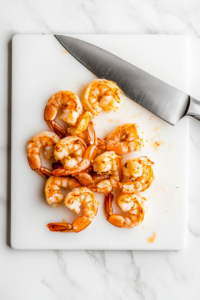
99,274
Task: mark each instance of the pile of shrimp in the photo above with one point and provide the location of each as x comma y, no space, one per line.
86,164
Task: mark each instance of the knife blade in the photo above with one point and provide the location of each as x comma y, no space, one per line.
162,99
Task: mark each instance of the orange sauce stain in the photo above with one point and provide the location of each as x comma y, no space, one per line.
151,239
143,227
65,51
151,118
157,144
105,131
110,120
156,128
117,120
135,116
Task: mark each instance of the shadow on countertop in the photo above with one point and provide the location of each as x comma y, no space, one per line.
9,101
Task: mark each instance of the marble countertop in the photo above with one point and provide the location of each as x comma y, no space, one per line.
138,275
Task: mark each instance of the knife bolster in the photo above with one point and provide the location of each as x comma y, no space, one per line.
194,109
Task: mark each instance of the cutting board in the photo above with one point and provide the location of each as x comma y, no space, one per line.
42,67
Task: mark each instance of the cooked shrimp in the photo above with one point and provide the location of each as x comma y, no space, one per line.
132,204
46,139
106,175
101,94
109,163
140,171
94,182
81,126
70,151
71,110
74,155
54,196
125,138
73,200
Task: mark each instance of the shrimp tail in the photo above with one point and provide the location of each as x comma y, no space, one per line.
61,227
114,219
44,172
108,205
80,223
62,172
96,183
91,134
83,165
84,178
55,127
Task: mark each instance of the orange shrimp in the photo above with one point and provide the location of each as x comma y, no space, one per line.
140,171
71,110
73,200
101,94
125,138
44,139
133,205
72,164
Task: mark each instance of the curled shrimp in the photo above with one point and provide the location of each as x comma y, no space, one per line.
140,171
54,196
132,204
125,138
101,94
71,110
46,140
74,155
74,200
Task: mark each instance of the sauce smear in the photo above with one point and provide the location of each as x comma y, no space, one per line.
151,239
157,144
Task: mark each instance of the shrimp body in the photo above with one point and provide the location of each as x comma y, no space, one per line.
125,138
132,205
81,158
69,151
54,196
140,171
106,175
46,140
74,200
109,163
71,110
81,125
101,94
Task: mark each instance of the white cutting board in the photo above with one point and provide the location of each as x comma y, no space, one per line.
42,67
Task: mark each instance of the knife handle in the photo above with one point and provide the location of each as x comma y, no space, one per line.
194,109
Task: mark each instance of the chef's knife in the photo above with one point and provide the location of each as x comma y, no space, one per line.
155,95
